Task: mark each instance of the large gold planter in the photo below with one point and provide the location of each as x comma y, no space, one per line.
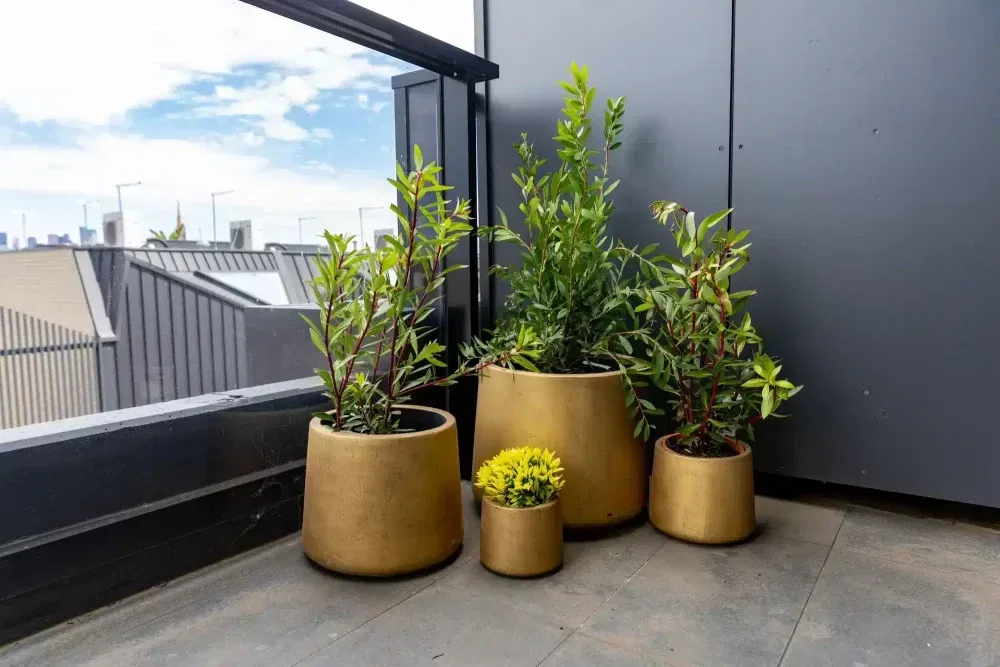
522,541
380,505
704,500
584,420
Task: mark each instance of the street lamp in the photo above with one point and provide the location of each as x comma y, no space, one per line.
215,231
119,188
86,225
361,218
311,217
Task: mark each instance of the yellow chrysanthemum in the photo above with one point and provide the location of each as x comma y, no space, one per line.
522,477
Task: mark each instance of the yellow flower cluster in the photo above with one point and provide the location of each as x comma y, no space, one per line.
522,477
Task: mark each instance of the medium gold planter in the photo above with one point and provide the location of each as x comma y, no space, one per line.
380,505
522,541
704,500
584,420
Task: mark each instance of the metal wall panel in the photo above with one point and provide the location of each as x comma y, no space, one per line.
669,58
869,163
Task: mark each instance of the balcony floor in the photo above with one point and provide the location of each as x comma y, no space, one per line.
831,584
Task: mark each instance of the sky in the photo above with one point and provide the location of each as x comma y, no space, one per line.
192,97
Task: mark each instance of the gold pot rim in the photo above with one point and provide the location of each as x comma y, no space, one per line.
449,422
661,444
514,371
548,503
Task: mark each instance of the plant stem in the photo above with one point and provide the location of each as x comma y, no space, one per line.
411,244
326,341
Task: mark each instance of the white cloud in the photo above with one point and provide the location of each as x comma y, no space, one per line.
322,133
172,170
104,57
282,129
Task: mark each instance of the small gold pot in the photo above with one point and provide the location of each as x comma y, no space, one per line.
704,500
522,541
584,420
381,505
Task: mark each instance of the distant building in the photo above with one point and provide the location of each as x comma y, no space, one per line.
32,242
380,235
88,236
60,239
3,240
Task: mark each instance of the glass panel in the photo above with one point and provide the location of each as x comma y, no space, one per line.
192,134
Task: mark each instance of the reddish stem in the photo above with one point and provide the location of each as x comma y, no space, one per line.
326,341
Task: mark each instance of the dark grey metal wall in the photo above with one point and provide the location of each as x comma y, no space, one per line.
864,143
870,135
669,58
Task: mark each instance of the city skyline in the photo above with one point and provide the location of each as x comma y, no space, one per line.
212,96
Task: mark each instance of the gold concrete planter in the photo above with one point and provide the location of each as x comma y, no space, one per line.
381,505
704,500
522,541
584,420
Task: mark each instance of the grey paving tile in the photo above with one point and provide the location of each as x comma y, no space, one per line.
90,633
928,543
592,571
868,611
706,606
215,596
582,651
801,521
444,627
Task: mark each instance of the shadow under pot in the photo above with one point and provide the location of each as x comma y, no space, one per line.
521,541
700,499
383,505
584,418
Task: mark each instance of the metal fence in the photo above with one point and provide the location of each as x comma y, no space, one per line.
47,371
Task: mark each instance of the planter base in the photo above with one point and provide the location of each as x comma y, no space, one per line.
702,500
521,541
383,505
584,420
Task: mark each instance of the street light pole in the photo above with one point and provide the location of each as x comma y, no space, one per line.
361,219
119,188
86,224
215,230
311,217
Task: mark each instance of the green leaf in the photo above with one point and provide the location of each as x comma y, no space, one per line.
689,226
418,157
767,402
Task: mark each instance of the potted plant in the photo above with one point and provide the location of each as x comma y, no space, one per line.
522,519
576,393
382,489
708,356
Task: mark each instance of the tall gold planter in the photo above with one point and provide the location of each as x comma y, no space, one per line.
380,505
584,420
521,541
704,500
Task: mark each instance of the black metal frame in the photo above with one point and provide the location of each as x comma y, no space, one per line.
367,28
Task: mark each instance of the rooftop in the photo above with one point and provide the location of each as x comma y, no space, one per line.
822,584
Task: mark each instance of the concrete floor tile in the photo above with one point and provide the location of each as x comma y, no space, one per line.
800,521
928,543
592,571
582,651
444,627
695,605
868,611
68,643
212,595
